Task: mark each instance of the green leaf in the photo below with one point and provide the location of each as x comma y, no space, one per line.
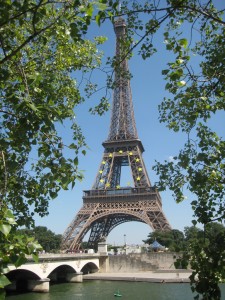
101,6
37,90
165,72
9,214
2,294
183,43
53,194
98,19
35,257
5,229
76,161
4,281
194,222
90,10
32,106
20,261
74,31
73,146
11,221
181,83
5,269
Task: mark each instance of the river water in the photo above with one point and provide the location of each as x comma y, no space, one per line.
104,290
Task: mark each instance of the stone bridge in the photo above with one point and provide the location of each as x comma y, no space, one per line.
71,268
55,268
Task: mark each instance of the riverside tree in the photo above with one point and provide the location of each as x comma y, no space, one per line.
194,34
171,239
49,241
42,47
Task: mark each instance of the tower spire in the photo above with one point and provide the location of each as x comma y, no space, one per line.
122,125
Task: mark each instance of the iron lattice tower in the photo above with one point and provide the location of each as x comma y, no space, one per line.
108,205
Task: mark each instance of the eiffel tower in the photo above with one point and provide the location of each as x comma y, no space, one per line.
107,204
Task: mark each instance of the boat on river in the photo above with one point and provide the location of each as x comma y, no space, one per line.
117,294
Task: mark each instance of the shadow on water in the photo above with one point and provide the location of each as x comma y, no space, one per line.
104,290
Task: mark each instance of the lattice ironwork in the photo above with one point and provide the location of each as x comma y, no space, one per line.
107,204
123,125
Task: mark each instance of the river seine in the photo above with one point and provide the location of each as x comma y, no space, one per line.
104,290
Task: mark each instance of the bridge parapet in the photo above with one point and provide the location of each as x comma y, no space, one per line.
65,256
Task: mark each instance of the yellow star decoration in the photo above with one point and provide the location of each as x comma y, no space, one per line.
103,162
138,178
128,183
130,153
100,171
101,180
118,187
121,151
107,184
139,169
110,155
137,159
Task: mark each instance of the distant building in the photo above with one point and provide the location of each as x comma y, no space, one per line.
127,249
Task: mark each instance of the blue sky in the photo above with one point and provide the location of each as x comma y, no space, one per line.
160,144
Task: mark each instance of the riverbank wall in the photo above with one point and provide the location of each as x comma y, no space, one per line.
135,262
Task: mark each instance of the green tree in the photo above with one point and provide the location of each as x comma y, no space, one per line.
213,229
42,44
49,241
208,252
194,34
43,49
84,245
193,233
14,246
171,239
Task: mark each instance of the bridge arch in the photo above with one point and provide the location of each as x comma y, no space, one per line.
19,279
89,267
22,274
59,273
59,267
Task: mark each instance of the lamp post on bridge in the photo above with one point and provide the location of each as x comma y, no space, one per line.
125,244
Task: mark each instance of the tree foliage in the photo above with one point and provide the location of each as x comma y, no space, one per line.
206,257
14,246
194,34
171,239
43,46
49,241
209,242
43,53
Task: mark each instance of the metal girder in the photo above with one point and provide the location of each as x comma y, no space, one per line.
114,158
105,213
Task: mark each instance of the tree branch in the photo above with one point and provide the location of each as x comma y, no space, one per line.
30,38
25,11
5,177
6,112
